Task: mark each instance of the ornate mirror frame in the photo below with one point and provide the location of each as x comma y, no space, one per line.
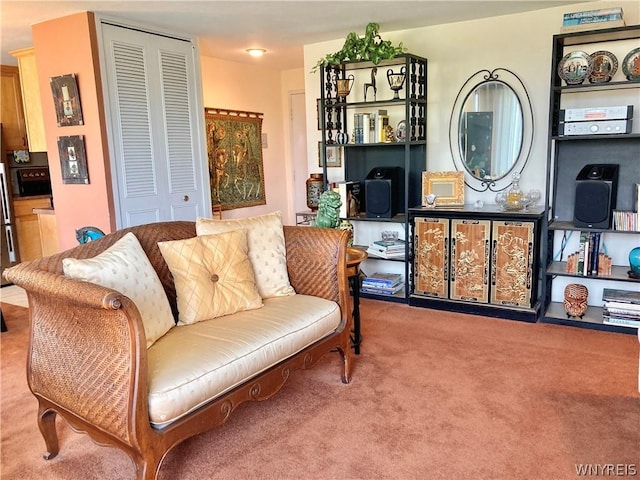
510,80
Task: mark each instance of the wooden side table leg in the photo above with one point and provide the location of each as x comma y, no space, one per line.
356,339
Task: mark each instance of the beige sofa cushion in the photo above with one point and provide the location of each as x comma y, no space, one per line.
267,250
194,364
125,267
212,274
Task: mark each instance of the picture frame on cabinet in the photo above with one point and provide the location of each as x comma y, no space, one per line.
447,186
66,99
334,155
73,160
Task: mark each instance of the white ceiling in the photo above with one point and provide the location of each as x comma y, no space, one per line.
227,28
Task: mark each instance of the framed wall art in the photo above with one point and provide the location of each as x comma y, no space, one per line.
234,150
447,186
334,156
66,100
73,159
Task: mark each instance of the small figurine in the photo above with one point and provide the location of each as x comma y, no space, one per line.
388,134
374,70
328,210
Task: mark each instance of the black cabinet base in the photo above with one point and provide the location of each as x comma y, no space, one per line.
509,313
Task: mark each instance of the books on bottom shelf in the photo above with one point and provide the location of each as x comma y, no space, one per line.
621,307
387,249
382,283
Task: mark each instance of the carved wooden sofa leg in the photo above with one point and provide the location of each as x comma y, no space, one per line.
346,361
47,425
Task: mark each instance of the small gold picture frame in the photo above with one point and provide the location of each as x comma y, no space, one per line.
447,186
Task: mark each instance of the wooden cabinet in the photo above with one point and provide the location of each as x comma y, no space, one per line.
13,125
48,229
31,99
569,154
483,261
28,228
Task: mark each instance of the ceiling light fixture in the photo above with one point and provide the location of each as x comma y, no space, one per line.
256,52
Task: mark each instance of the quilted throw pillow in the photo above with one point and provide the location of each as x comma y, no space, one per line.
125,267
212,274
267,252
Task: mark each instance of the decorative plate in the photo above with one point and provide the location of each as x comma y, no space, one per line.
605,65
401,130
575,67
631,64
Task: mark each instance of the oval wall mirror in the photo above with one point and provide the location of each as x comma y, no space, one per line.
491,129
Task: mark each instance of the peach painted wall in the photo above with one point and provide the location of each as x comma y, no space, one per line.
236,86
67,45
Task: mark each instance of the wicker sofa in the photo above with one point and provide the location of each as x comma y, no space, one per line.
89,363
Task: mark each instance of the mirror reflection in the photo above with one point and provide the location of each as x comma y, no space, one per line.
490,130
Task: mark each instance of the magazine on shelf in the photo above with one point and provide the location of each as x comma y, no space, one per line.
618,295
381,290
383,279
625,322
622,307
377,253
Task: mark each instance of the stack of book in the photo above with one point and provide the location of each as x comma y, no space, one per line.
621,307
593,19
382,283
589,260
387,249
626,221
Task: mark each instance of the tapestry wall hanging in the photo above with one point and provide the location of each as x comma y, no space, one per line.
234,150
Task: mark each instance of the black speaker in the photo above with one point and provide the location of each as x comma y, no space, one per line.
596,192
381,191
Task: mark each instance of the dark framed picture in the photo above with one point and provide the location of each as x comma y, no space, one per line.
334,155
73,159
66,99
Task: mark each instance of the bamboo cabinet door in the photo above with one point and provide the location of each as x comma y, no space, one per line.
512,263
470,260
431,257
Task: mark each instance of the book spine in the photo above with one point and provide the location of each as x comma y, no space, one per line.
595,251
581,250
593,19
593,13
366,128
621,321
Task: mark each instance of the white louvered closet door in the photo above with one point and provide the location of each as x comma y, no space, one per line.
158,163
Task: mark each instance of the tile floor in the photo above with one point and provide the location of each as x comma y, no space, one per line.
14,295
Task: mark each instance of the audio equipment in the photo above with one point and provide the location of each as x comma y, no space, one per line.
596,192
382,192
603,127
621,112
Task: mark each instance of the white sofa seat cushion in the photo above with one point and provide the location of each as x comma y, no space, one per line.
195,363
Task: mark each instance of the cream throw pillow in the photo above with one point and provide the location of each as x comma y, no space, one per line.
267,250
212,274
124,267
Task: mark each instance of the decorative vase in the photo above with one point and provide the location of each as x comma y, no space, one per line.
396,81
347,225
342,138
575,300
343,86
634,262
315,185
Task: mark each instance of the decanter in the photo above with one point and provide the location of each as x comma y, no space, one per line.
515,197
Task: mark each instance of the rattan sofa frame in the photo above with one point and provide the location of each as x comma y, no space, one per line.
87,357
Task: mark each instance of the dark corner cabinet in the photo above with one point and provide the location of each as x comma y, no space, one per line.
483,261
399,160
568,154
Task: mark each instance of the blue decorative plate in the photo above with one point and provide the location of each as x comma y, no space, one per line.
575,67
631,64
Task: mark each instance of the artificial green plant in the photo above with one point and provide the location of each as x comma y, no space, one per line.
371,47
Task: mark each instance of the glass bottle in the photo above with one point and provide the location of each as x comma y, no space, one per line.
514,195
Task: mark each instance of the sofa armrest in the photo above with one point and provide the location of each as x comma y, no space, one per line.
87,349
316,262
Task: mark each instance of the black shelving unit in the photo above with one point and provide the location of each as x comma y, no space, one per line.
408,154
567,155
